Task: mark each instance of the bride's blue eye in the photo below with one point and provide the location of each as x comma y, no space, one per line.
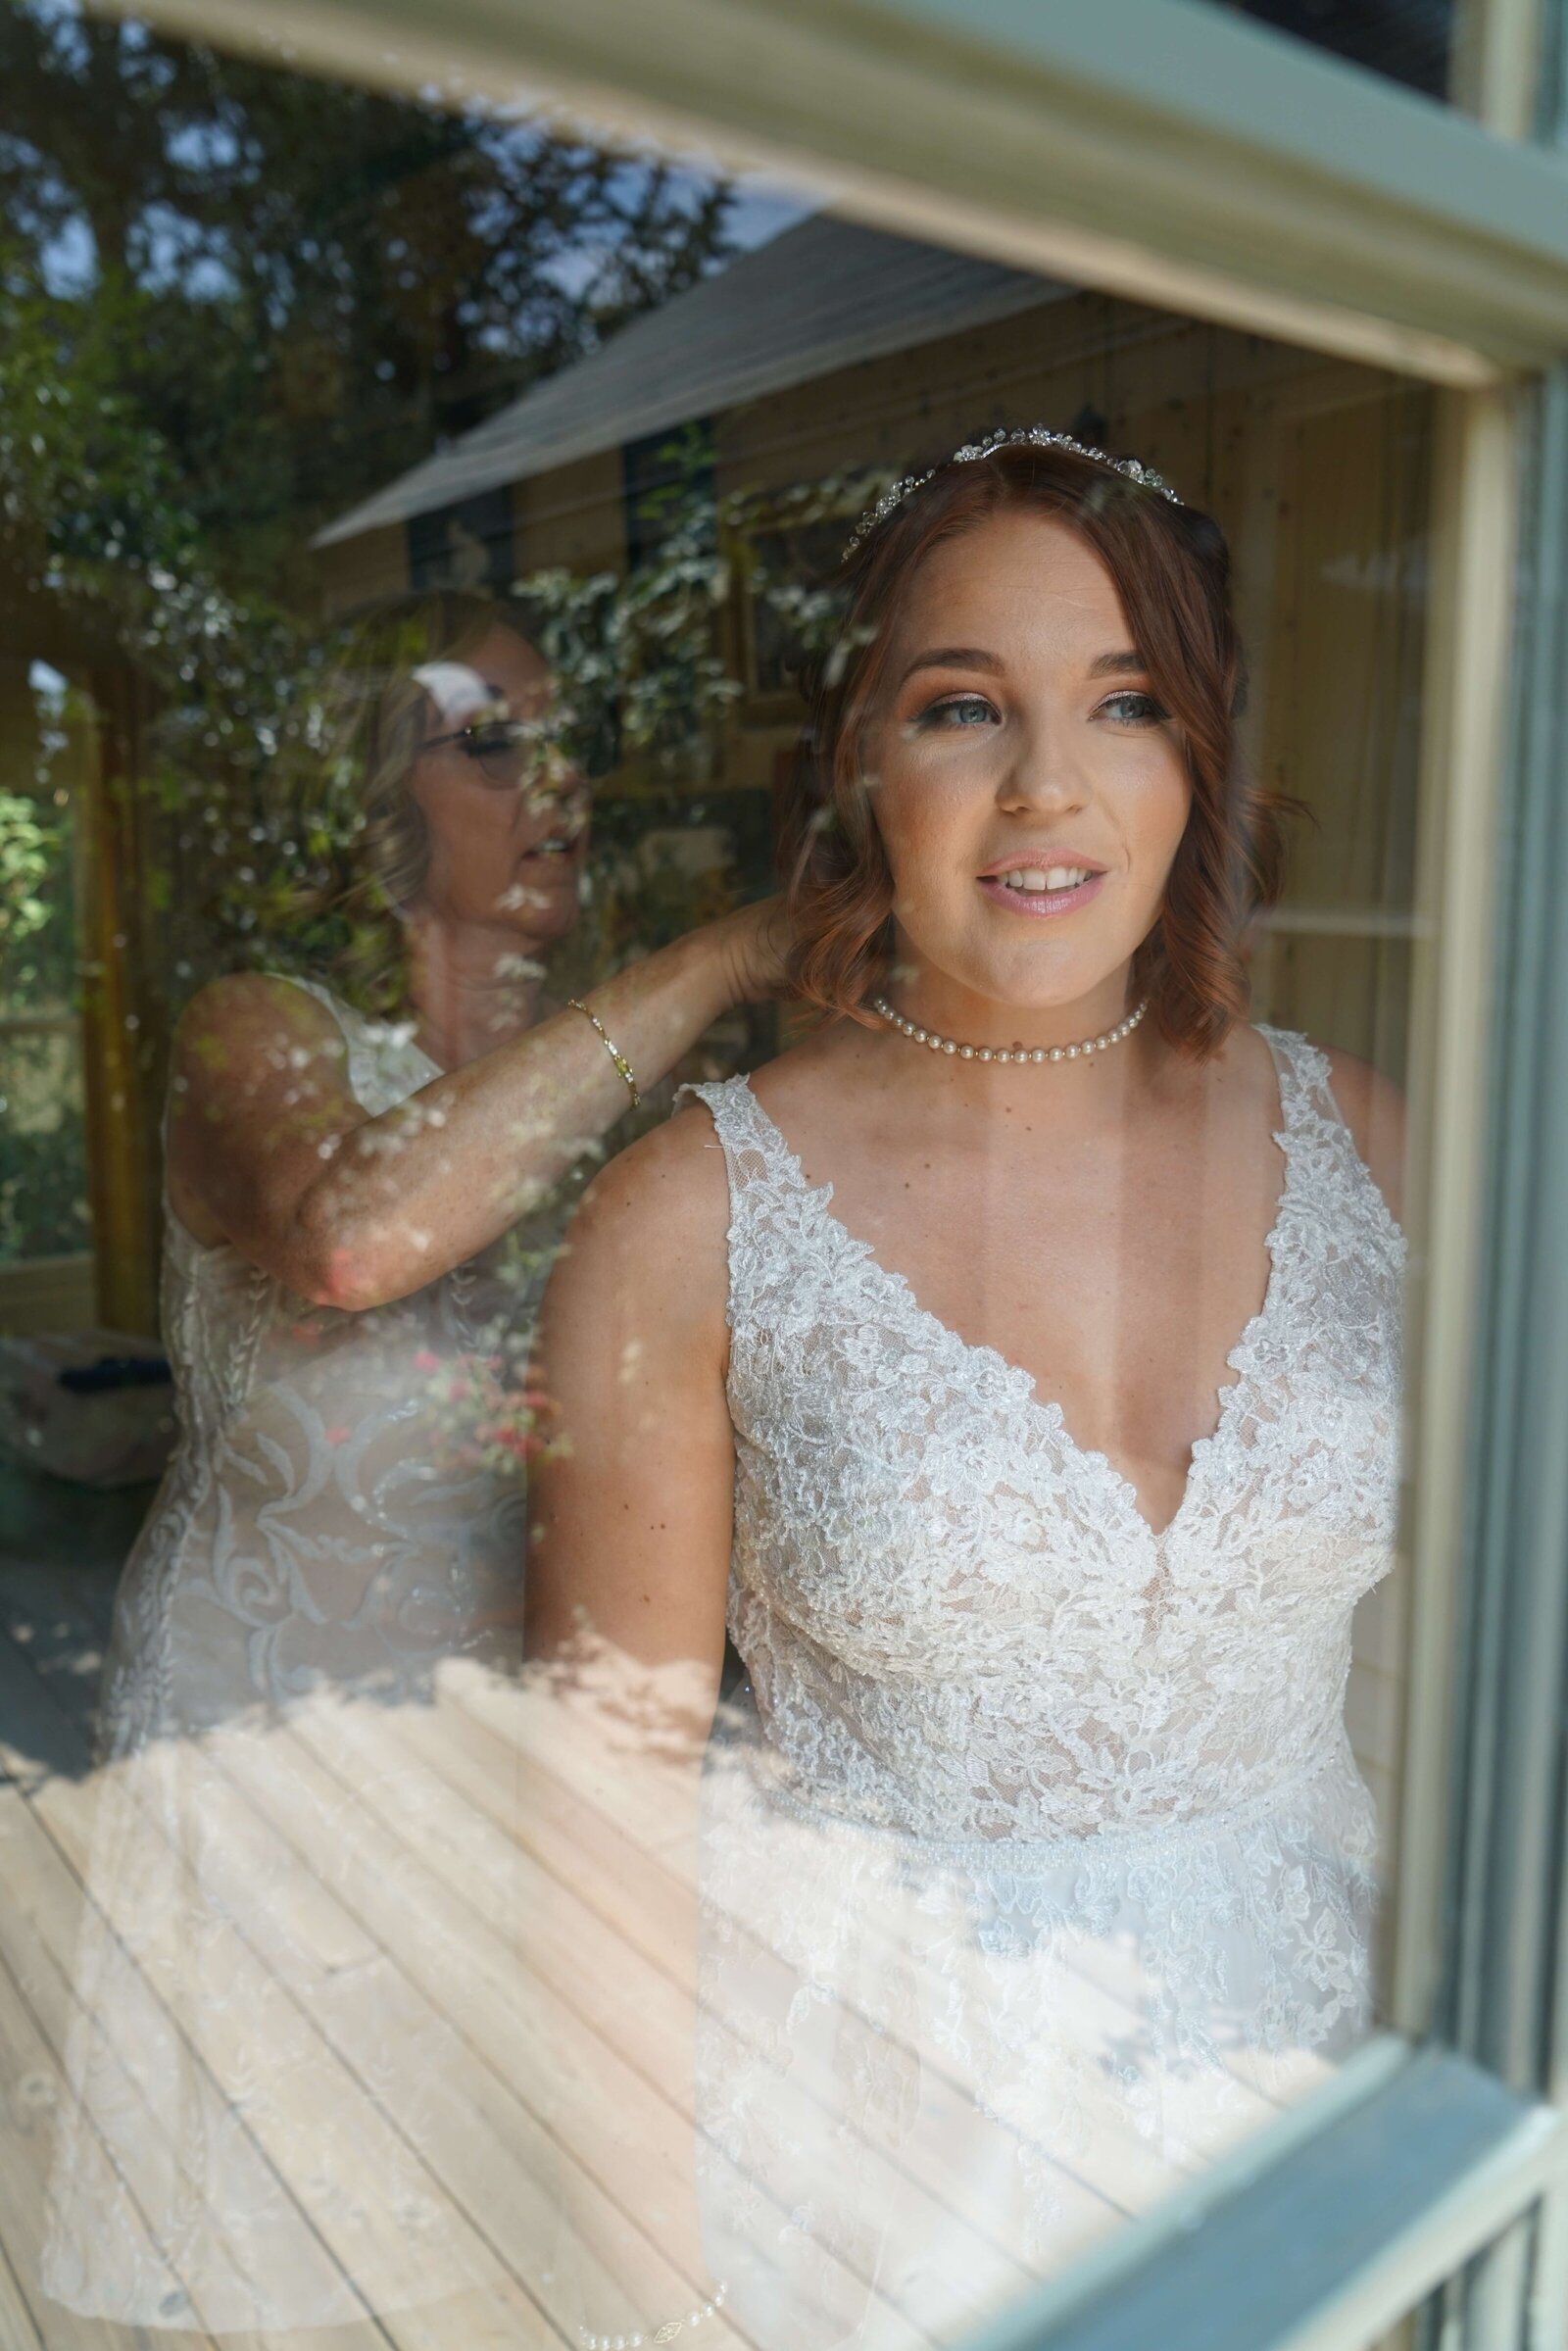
1144,709
974,704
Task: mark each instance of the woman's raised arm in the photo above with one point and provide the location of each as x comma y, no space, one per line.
269,1151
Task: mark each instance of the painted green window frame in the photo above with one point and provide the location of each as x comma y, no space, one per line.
1188,158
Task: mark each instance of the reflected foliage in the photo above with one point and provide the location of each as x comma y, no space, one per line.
305,287
232,301
232,298
43,1174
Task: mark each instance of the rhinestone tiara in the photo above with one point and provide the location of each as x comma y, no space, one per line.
1039,438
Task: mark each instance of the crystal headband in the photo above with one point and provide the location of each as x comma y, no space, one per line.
1039,438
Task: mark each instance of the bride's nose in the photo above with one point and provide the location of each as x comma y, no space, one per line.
1042,776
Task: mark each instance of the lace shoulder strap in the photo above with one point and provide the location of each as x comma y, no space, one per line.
1321,1134
322,994
384,1063
768,1198
755,1152
1304,1075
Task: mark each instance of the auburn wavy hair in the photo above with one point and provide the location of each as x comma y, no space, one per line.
1170,567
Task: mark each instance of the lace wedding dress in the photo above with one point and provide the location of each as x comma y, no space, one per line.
249,2076
1036,1862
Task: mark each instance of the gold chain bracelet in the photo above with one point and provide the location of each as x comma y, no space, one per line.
575,1004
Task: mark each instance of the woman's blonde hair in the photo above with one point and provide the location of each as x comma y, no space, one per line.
363,835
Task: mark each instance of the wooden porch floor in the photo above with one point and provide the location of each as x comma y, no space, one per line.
406,1831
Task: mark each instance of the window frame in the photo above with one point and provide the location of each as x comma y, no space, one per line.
1334,209
1344,214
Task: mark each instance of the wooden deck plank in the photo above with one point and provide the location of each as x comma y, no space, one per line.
333,1945
627,2002
389,1860
366,2243
42,1876
542,2058
31,1865
335,1938
553,1925
18,2328
39,1944
488,1729
1122,2174
376,1763
569,1757
478,2128
32,2099
512,1829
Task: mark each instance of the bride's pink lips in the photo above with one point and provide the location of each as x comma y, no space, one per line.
1038,902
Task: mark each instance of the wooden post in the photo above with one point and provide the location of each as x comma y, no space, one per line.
121,1140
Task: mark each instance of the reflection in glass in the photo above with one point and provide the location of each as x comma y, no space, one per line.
363,536
358,1211
343,1511
43,1175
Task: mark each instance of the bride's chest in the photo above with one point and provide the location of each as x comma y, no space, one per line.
909,1485
1120,1289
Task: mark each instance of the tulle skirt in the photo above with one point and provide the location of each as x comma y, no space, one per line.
929,2070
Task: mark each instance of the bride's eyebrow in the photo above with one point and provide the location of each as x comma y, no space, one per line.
952,657
1126,662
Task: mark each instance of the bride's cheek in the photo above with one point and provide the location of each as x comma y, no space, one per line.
923,855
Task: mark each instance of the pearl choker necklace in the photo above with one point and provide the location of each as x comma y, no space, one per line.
1004,1053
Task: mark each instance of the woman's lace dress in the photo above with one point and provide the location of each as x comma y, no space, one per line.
249,2079
1036,1862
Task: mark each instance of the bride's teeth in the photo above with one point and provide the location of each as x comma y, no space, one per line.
1036,877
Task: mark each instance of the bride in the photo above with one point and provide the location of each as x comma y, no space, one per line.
1013,1367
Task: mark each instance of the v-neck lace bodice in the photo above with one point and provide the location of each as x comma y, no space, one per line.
1033,1847
1229,1395
957,1619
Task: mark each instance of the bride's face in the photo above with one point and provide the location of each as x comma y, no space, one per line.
1016,734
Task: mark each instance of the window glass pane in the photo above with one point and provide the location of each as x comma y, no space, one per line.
43,1208
44,1212
814,1735
1409,40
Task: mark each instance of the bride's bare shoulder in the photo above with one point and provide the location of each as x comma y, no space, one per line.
663,1201
653,1224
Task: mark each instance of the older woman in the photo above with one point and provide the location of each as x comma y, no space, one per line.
358,1218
